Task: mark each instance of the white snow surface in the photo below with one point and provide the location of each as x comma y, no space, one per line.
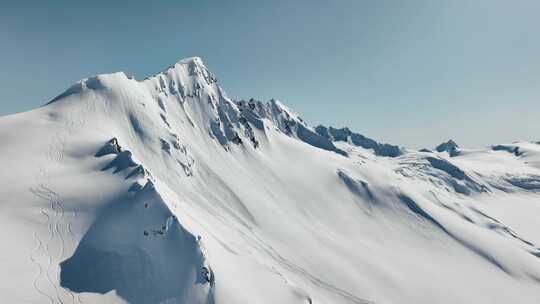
167,191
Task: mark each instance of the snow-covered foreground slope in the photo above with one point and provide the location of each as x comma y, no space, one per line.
167,191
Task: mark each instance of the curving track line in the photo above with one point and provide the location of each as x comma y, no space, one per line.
59,224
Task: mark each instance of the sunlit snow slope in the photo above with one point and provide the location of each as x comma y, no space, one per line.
167,191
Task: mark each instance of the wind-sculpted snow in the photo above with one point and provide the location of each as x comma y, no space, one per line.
357,186
138,248
441,173
166,190
527,182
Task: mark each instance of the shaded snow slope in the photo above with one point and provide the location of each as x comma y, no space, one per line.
168,191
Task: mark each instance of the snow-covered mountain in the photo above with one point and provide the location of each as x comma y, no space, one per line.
167,191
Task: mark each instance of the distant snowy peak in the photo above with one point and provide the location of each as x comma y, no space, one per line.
508,148
346,135
450,146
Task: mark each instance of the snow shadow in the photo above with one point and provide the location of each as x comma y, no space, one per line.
138,248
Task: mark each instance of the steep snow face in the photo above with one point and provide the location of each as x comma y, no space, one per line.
168,191
284,120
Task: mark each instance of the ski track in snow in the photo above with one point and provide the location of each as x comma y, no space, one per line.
54,215
301,271
40,269
59,226
263,247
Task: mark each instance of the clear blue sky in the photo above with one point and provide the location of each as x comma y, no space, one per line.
413,73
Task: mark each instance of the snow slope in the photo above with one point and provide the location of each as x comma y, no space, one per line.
167,191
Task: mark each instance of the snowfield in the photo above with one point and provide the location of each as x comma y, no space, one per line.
167,191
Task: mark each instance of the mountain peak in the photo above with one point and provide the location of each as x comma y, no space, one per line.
187,63
191,66
185,77
191,60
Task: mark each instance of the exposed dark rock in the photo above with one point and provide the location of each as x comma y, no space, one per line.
450,146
